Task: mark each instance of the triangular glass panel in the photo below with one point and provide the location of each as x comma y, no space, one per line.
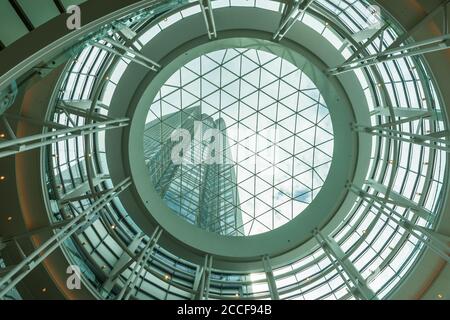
188,99
265,57
291,102
253,77
193,88
230,55
194,66
274,66
232,89
251,55
272,90
247,65
167,90
233,65
209,64
213,100
293,79
174,80
304,101
226,99
217,56
270,111
287,68
286,90
213,76
246,89
306,83
281,219
187,76
207,88
267,78
283,112
226,77
260,226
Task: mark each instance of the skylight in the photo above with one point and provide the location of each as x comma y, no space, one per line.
277,141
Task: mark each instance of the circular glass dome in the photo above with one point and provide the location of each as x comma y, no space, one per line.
238,141
385,190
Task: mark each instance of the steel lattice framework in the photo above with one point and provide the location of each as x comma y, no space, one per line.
277,132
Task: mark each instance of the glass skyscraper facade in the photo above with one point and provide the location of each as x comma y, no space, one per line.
204,194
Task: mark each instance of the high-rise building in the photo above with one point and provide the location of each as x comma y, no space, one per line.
204,194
